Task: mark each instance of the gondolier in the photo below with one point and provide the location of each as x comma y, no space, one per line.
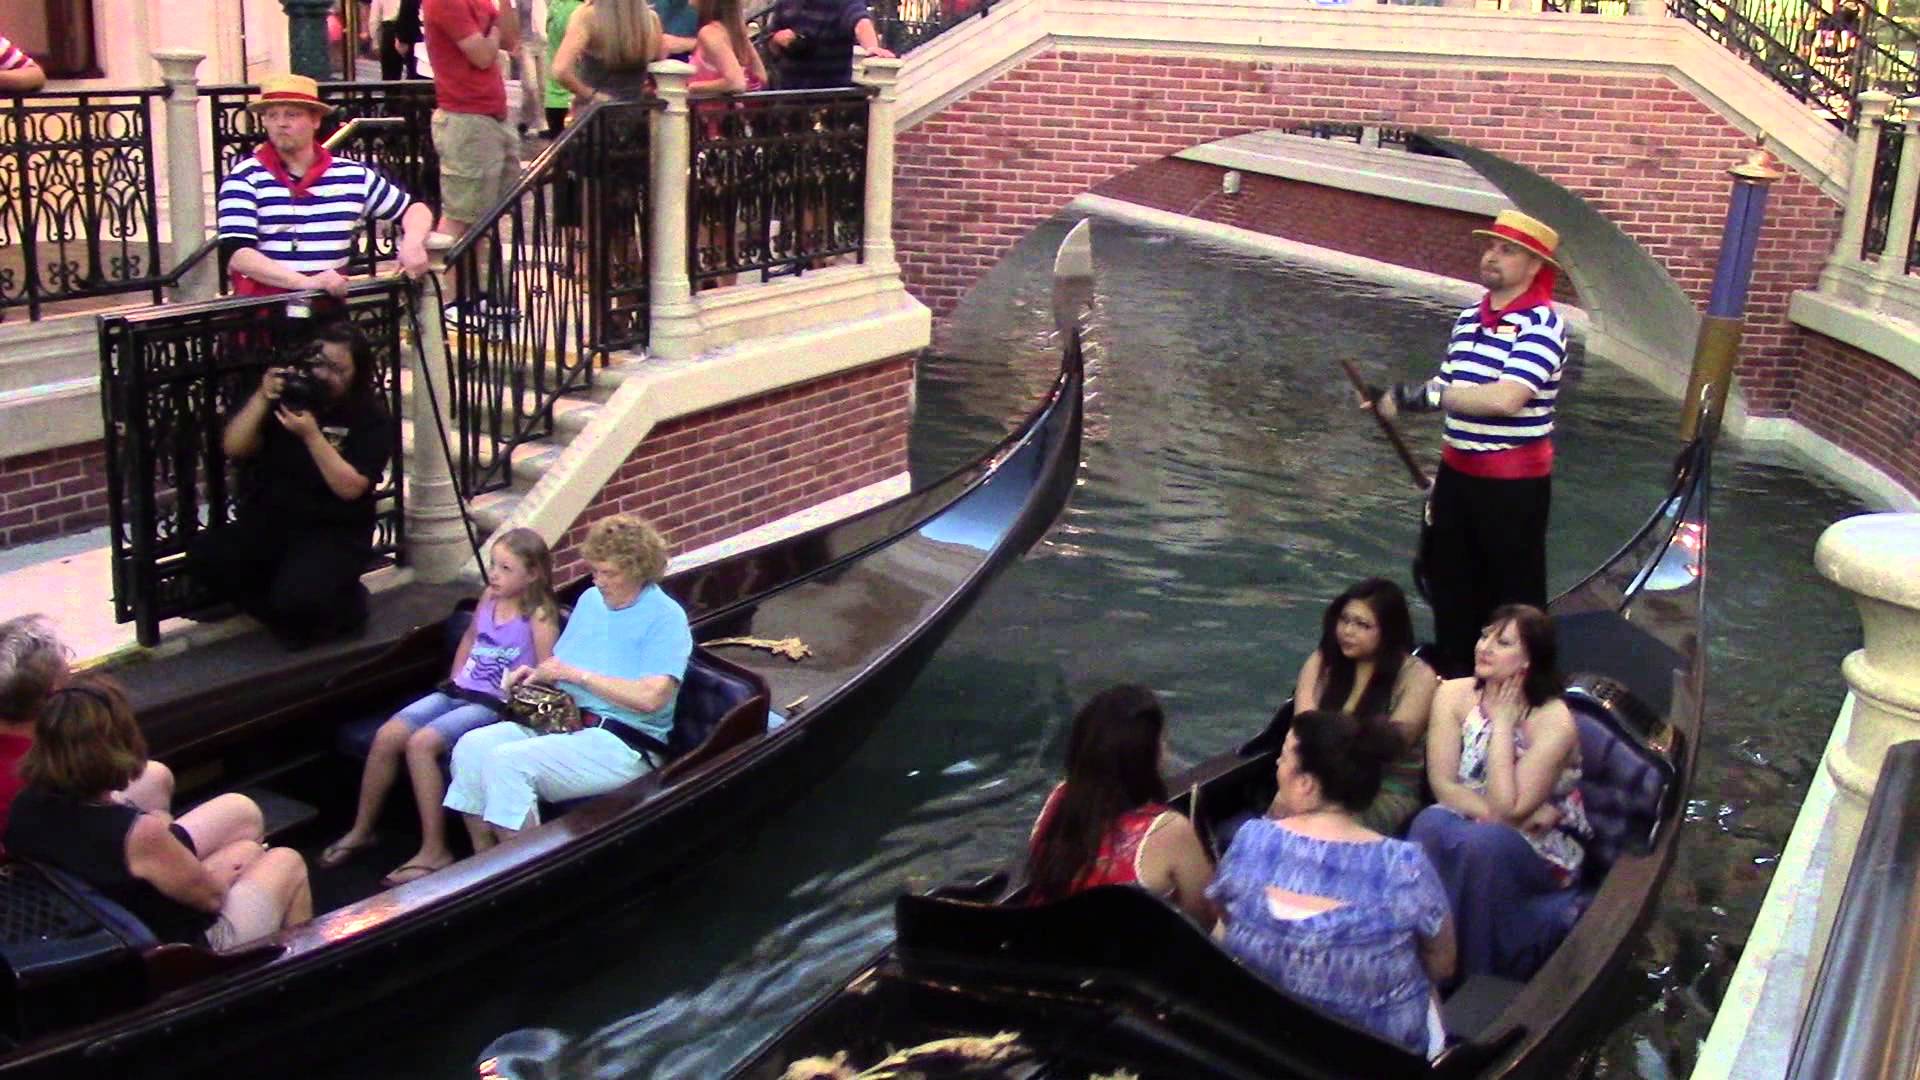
1486,541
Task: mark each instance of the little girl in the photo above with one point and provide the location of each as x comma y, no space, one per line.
724,59
514,625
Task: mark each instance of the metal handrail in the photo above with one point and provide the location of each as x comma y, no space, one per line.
1863,1022
352,127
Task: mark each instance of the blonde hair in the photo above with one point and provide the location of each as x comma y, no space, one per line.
728,14
85,740
531,549
630,544
624,33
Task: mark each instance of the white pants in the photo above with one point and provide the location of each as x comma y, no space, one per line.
502,770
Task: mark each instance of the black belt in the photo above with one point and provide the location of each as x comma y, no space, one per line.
649,747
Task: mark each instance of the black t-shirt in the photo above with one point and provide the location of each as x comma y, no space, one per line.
286,481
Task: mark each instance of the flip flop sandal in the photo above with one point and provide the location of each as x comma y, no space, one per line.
339,853
412,871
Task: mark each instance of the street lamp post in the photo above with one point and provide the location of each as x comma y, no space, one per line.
307,38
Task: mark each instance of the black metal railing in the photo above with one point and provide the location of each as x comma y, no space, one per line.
1411,142
1826,52
1880,184
78,217
778,182
547,286
1860,1022
905,25
169,377
403,150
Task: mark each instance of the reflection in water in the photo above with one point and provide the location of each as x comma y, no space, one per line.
1229,489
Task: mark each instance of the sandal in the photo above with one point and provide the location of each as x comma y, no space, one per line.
412,871
338,852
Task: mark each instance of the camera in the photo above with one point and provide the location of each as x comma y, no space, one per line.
299,390
800,47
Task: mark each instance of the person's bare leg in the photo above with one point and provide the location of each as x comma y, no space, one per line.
152,790
241,853
223,820
376,780
479,832
283,873
429,790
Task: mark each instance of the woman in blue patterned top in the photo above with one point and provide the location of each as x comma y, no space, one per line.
1340,917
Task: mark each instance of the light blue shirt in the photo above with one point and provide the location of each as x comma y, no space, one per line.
646,638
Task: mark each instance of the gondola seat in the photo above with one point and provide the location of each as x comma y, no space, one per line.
1625,786
69,953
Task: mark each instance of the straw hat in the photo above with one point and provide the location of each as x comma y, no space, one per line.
289,90
1517,228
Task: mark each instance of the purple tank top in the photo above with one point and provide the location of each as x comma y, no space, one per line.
497,649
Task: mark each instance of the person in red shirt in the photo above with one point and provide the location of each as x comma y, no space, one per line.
18,73
468,45
33,664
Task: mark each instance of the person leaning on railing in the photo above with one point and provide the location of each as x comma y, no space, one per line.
813,42
18,73
287,214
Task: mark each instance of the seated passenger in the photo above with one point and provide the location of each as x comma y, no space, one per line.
1108,823
1365,666
514,626
204,879
621,659
33,664
1503,756
1326,908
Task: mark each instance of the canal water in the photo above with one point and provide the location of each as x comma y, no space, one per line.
1228,490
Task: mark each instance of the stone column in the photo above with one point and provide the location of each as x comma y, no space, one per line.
307,38
876,247
1853,221
1877,558
437,546
186,172
674,333
1906,188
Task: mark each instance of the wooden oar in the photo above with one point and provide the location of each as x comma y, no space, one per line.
1393,433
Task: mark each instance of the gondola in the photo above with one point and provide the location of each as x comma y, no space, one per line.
1113,980
89,993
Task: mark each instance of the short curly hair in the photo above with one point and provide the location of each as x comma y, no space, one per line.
634,547
32,663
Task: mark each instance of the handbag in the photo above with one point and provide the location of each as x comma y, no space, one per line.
546,709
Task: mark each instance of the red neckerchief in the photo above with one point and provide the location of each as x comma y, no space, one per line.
270,159
1537,294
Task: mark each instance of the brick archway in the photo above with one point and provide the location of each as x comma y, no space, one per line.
983,171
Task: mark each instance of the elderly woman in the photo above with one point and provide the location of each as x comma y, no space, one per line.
1323,906
1508,832
621,659
203,879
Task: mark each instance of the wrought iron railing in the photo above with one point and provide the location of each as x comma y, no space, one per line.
1826,52
1411,142
778,183
905,25
401,146
78,217
1886,167
169,377
548,285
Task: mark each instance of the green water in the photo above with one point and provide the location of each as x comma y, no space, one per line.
1227,491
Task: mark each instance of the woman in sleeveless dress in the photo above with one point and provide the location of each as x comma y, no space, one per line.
1365,666
607,48
1508,833
1108,822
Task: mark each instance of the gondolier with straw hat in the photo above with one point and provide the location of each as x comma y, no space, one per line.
1485,544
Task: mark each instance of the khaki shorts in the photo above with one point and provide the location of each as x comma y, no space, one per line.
479,160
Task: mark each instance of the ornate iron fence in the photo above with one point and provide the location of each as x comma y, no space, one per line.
1826,52
905,25
404,151
548,285
78,216
168,379
1886,167
779,182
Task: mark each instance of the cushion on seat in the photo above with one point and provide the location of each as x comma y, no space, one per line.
1624,785
714,690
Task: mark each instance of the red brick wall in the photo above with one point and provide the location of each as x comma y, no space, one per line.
983,171
1863,405
717,473
1430,238
52,493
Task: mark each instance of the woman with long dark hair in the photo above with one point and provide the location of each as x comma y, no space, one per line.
1108,822
1365,665
1327,908
1508,832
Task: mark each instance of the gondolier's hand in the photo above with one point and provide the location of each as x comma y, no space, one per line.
413,258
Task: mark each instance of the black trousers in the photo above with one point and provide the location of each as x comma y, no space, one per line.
1487,546
302,581
394,64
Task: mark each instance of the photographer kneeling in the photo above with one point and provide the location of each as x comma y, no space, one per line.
318,439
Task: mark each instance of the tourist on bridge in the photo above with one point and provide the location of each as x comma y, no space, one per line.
1487,539
813,42
287,214
18,73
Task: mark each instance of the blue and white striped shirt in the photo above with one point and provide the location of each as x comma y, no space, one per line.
1528,346
310,234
